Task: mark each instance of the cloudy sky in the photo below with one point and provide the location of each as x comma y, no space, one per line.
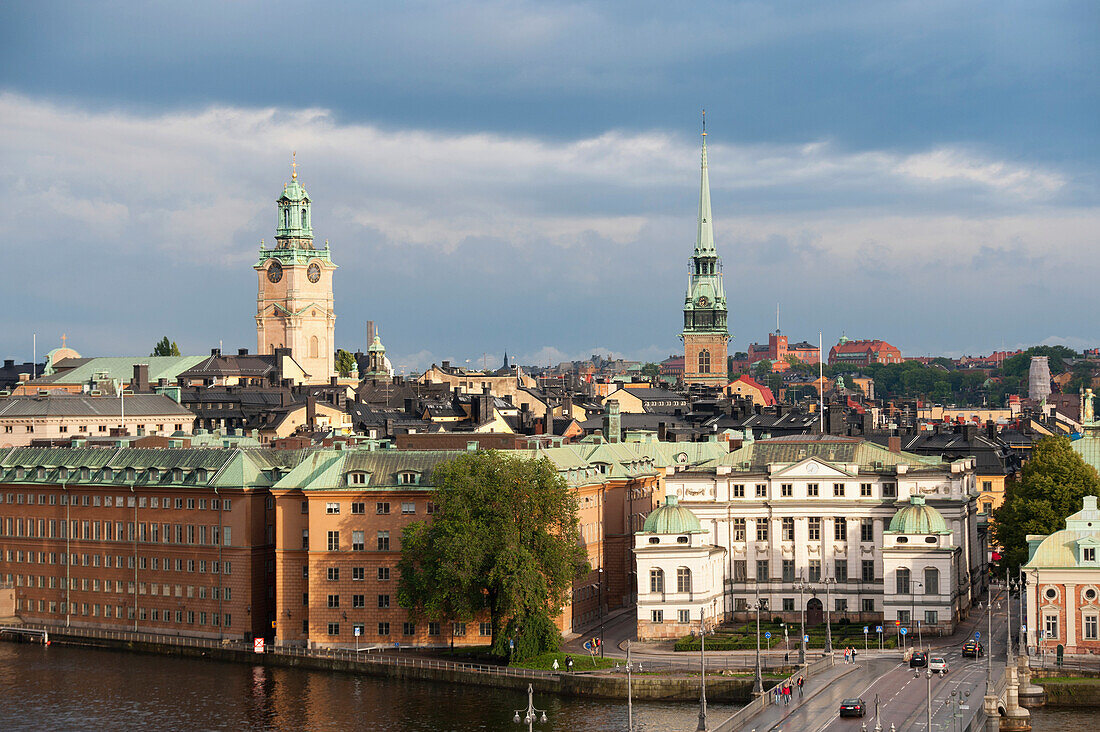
523,176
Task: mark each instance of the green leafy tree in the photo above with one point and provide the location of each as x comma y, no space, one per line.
1051,486
504,539
345,362
651,370
762,367
165,347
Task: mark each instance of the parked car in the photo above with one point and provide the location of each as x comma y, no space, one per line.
937,665
852,708
973,649
919,658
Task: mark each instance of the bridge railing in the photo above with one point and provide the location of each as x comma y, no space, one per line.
742,716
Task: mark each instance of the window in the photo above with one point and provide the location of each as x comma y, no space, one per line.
1088,554
333,541
866,529
761,530
867,570
903,617
931,581
334,601
459,629
864,490
868,605
811,490
357,573
788,604
382,508
430,508
1050,626
433,629
408,477
333,574
358,541
1090,627
762,570
383,574
657,616
987,485
738,490
786,490
485,629
788,570
838,490
408,507
358,507
740,573
334,629
739,529
684,616
787,531
987,507
840,570
931,617
815,570
408,628
383,541
704,361
761,490
813,528
656,580
889,490
902,576
840,606
840,528
383,601
331,508
683,579
357,478
305,538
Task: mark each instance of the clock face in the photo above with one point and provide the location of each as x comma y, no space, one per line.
702,301
314,272
275,272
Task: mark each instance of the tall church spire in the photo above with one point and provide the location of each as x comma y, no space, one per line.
704,238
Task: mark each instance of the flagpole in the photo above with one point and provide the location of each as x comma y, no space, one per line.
820,383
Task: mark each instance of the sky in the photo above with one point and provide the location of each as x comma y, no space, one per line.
524,176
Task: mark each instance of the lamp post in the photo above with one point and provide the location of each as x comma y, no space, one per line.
1008,634
758,684
801,587
530,712
703,674
629,695
913,610
990,691
928,701
600,592
829,582
1021,582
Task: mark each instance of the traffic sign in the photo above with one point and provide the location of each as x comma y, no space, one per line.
977,634
865,630
511,642
258,645
768,635
904,631
588,646
806,638
358,631
878,628
1023,628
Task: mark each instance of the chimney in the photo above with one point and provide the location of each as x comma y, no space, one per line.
9,363
446,365
242,351
162,382
549,420
311,411
215,351
894,444
612,422
333,381
140,382
370,332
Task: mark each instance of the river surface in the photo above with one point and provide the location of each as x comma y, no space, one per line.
68,688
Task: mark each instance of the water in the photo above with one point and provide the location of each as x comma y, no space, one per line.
1064,720
69,688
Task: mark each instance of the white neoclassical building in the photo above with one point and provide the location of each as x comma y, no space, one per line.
880,535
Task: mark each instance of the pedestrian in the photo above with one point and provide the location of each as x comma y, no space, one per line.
853,654
845,655
786,693
800,682
569,664
556,664
778,691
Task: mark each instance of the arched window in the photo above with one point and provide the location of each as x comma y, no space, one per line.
903,581
931,581
304,219
313,347
704,361
286,218
683,579
656,580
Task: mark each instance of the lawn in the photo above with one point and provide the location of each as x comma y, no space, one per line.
742,637
581,662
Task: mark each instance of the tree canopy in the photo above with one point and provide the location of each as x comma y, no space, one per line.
164,347
1051,486
345,362
651,370
503,540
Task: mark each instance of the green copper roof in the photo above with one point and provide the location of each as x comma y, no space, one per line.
672,518
704,238
918,518
833,449
376,345
293,191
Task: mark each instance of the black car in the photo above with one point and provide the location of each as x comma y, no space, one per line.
852,708
973,649
919,658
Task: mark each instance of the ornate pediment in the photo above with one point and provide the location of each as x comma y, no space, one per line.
812,469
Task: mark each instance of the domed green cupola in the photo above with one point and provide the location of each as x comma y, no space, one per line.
918,518
672,518
295,227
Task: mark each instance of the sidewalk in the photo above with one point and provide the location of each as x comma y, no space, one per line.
773,715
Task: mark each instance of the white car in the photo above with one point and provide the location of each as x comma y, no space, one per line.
937,665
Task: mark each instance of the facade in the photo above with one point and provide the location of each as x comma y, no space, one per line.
746,387
59,416
863,353
294,307
823,510
1063,586
705,333
154,540
778,349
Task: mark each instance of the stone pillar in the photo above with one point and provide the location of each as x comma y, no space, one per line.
1029,694
992,716
1016,718
1069,603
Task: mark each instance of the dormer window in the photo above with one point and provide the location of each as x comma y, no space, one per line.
108,474
177,475
41,474
154,474
360,478
129,474
1088,555
200,475
408,477
84,473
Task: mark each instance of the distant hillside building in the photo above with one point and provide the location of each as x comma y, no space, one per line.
778,349
863,353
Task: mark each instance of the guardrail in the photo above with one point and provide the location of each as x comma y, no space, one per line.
364,656
762,702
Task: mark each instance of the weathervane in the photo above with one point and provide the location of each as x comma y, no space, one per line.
294,165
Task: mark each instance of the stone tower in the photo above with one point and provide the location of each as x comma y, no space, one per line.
294,308
705,334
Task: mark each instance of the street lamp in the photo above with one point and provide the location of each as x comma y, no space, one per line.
928,707
913,611
600,592
530,712
801,587
829,582
703,673
758,684
1022,583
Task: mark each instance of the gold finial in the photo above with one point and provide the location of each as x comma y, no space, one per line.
704,123
63,339
294,165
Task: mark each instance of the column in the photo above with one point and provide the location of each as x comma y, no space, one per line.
1069,603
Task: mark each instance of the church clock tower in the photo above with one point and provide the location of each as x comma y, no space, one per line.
705,334
294,308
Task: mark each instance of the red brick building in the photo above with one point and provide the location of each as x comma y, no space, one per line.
863,353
